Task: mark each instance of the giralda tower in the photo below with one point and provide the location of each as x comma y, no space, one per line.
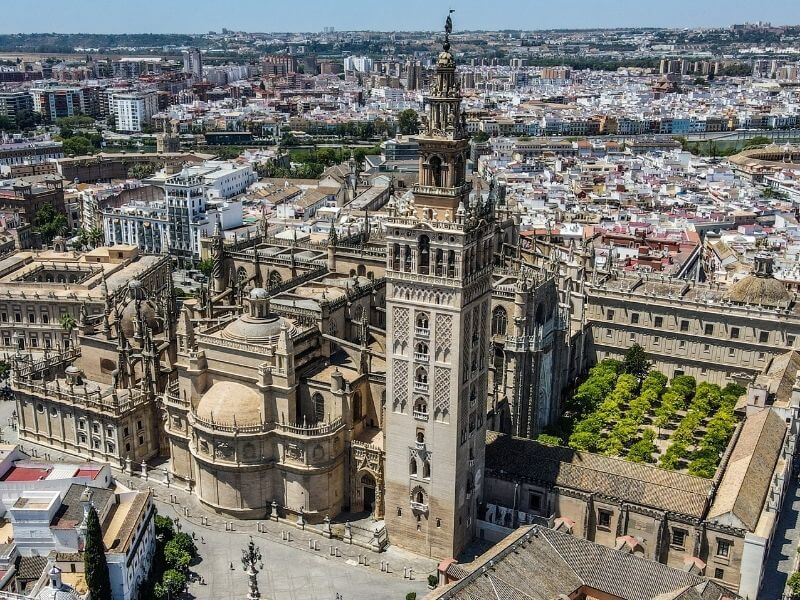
438,294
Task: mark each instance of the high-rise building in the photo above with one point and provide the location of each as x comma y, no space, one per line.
438,296
413,75
193,62
14,103
55,102
133,110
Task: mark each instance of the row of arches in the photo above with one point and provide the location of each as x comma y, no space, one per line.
415,470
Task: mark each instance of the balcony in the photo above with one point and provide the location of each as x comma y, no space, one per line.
421,386
419,506
419,445
422,332
421,357
420,416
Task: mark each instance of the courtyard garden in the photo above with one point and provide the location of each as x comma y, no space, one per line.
626,409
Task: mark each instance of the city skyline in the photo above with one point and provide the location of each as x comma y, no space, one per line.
200,16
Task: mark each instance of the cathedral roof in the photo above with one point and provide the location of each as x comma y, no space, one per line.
759,291
228,402
641,484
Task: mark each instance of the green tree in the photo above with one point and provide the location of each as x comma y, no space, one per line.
171,586
165,529
548,440
480,137
408,122
176,557
794,584
6,124
67,322
635,362
184,542
94,559
96,236
78,146
206,266
49,223
643,450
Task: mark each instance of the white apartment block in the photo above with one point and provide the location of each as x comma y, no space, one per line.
139,224
133,110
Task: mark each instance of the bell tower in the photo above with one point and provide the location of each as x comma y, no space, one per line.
438,294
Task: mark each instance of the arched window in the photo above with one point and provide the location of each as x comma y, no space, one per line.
421,375
451,263
319,407
241,275
421,351
422,321
499,321
396,257
421,408
439,262
426,469
407,260
424,258
435,164
420,437
412,466
357,406
420,498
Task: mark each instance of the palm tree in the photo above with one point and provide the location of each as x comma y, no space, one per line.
96,237
68,322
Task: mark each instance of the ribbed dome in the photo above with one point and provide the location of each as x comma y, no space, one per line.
253,329
228,402
757,290
149,315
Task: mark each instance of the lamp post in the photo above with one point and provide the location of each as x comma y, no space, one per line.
251,556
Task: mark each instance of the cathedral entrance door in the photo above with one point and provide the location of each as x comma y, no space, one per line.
368,492
369,499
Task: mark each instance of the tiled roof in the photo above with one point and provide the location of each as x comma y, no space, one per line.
745,484
542,564
519,458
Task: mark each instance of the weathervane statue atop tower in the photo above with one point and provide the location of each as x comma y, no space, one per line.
448,29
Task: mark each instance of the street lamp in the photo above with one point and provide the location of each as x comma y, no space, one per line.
250,557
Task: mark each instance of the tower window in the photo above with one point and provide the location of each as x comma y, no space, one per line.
424,258
319,407
499,321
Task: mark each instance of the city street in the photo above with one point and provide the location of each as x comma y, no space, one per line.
781,559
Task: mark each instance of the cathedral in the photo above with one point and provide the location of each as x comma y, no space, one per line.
358,375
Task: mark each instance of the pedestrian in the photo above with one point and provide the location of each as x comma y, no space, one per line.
202,541
231,566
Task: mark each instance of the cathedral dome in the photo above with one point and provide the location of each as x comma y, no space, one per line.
227,402
248,328
149,316
759,291
760,288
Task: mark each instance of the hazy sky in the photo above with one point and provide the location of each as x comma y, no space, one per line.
199,16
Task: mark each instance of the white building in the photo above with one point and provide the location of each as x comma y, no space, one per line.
133,110
142,224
